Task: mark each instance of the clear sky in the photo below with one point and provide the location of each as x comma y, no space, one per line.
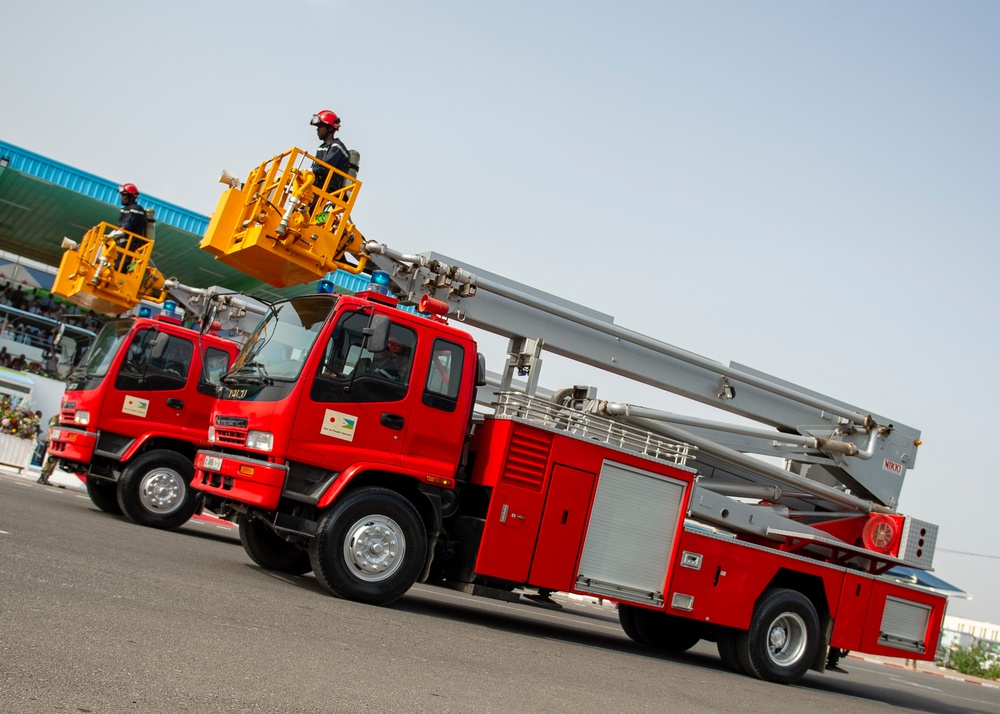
808,188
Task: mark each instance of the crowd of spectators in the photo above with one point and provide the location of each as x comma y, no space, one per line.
42,303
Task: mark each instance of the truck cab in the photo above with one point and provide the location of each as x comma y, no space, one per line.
135,411
334,391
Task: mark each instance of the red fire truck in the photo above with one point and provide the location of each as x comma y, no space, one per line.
347,442
136,408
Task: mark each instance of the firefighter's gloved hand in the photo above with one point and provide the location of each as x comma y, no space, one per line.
116,234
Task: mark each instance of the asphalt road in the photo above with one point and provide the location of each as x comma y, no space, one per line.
99,615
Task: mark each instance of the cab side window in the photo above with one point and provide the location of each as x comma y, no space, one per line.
444,375
350,373
216,364
155,361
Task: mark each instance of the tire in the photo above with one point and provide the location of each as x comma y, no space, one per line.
370,547
269,550
783,639
658,629
104,495
155,490
626,616
726,644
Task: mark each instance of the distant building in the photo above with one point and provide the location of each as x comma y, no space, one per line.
979,630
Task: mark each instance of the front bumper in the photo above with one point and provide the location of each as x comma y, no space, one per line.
236,478
70,444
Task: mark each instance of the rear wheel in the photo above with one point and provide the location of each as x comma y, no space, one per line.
658,629
370,547
155,490
268,550
104,495
726,644
783,638
626,616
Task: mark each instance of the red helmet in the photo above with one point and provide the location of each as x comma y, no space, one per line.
325,116
395,346
130,189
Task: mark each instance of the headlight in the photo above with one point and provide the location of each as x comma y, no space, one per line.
260,440
211,433
82,417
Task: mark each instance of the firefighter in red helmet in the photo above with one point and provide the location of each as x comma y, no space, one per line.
133,216
331,152
131,219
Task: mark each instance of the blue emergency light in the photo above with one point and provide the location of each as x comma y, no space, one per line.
380,282
325,287
145,311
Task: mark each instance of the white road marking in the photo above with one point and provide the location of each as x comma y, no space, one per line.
913,684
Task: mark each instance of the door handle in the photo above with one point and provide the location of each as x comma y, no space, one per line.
392,421
175,403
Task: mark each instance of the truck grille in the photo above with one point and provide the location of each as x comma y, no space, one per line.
231,431
230,437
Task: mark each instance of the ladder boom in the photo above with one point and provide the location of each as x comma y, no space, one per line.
848,447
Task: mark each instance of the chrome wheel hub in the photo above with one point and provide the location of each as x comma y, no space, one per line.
786,639
374,548
162,491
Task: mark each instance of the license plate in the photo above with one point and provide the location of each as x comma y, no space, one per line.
54,434
212,462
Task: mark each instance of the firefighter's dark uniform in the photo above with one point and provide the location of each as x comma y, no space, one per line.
334,153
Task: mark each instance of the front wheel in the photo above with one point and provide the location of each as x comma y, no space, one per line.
270,551
104,495
783,639
155,490
370,547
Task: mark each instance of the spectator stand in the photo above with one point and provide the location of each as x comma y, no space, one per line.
26,339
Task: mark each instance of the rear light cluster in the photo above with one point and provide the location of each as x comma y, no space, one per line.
882,532
904,537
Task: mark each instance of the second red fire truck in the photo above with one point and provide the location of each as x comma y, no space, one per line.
137,406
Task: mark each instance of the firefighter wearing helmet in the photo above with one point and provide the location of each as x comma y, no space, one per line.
133,216
331,152
394,361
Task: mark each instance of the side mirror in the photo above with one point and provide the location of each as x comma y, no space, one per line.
377,333
480,370
158,345
57,338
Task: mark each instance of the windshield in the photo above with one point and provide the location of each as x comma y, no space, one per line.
98,359
281,343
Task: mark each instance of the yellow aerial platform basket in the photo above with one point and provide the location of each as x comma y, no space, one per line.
281,228
109,271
